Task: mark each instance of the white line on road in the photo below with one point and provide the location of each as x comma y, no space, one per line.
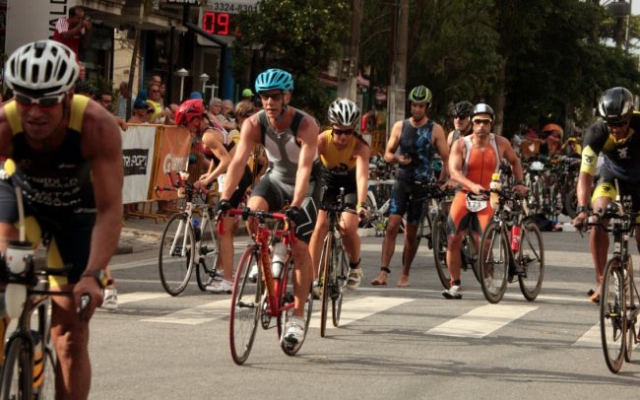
481,321
360,308
141,296
196,315
591,338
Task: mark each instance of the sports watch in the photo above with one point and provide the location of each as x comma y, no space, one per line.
100,276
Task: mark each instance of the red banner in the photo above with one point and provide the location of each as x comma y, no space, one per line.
173,145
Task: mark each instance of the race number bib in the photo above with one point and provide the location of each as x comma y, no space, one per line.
476,203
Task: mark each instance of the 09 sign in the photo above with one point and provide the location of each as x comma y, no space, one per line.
218,23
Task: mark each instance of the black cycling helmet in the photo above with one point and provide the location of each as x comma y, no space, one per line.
616,105
482,108
420,95
462,109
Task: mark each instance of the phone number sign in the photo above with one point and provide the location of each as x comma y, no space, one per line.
234,7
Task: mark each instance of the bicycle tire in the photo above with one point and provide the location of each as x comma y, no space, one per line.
340,276
245,308
494,263
286,347
440,249
469,253
46,390
531,261
425,229
176,269
612,315
571,201
17,371
630,294
207,257
326,260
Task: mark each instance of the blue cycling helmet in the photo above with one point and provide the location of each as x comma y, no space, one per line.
274,79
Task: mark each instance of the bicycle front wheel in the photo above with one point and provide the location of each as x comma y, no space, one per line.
493,263
530,261
44,380
207,257
425,229
339,278
440,249
612,315
326,262
177,251
245,307
17,372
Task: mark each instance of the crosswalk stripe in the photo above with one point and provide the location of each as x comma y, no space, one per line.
140,296
196,315
481,321
591,338
358,309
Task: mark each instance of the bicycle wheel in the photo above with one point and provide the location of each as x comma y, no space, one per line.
612,315
177,250
494,263
208,256
530,261
630,317
17,371
425,229
470,253
44,380
339,279
440,249
245,308
326,261
288,348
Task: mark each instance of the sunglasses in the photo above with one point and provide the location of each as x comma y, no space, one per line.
347,132
460,116
275,96
479,121
44,102
618,124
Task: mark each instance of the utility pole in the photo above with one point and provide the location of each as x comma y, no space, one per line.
397,93
348,73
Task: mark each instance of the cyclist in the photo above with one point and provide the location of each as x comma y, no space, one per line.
473,160
217,147
345,160
290,138
461,121
417,138
615,138
68,155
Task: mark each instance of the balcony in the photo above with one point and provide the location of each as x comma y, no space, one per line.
117,13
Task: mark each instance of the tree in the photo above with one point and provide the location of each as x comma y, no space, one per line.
300,36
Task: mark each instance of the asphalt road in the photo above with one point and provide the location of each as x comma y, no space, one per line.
396,343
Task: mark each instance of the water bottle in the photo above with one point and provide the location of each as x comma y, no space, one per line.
15,296
196,228
515,237
494,185
38,365
277,262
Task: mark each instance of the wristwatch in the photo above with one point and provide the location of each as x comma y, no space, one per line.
581,209
100,276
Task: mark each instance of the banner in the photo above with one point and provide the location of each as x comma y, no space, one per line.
173,145
138,143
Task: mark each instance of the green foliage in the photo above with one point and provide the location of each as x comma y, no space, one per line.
300,36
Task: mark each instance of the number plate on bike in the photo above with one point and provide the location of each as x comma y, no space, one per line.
476,203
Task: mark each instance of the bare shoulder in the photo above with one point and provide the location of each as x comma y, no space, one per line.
5,133
100,132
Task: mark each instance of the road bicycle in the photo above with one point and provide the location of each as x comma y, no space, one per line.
187,242
333,270
619,299
265,295
379,200
503,258
29,367
468,251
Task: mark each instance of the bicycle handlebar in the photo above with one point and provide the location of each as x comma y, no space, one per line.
246,213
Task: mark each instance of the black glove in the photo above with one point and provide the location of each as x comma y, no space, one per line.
294,214
223,206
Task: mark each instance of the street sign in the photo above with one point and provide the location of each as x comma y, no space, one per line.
233,6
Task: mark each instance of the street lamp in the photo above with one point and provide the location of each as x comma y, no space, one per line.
182,73
204,78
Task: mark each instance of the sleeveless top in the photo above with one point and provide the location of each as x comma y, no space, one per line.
417,144
58,181
339,165
283,150
480,165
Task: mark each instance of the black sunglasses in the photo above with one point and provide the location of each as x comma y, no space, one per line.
275,96
617,124
479,121
44,102
347,132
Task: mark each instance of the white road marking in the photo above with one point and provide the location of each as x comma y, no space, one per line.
358,309
481,321
196,315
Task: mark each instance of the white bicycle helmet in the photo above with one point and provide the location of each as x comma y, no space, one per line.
344,112
43,68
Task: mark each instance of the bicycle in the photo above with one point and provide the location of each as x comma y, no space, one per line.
468,251
619,300
334,265
265,295
182,240
30,361
504,257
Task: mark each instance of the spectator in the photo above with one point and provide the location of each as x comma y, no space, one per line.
215,114
82,71
105,98
140,112
228,111
247,95
154,100
73,30
123,97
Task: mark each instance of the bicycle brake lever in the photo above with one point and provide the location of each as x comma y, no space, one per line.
85,299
